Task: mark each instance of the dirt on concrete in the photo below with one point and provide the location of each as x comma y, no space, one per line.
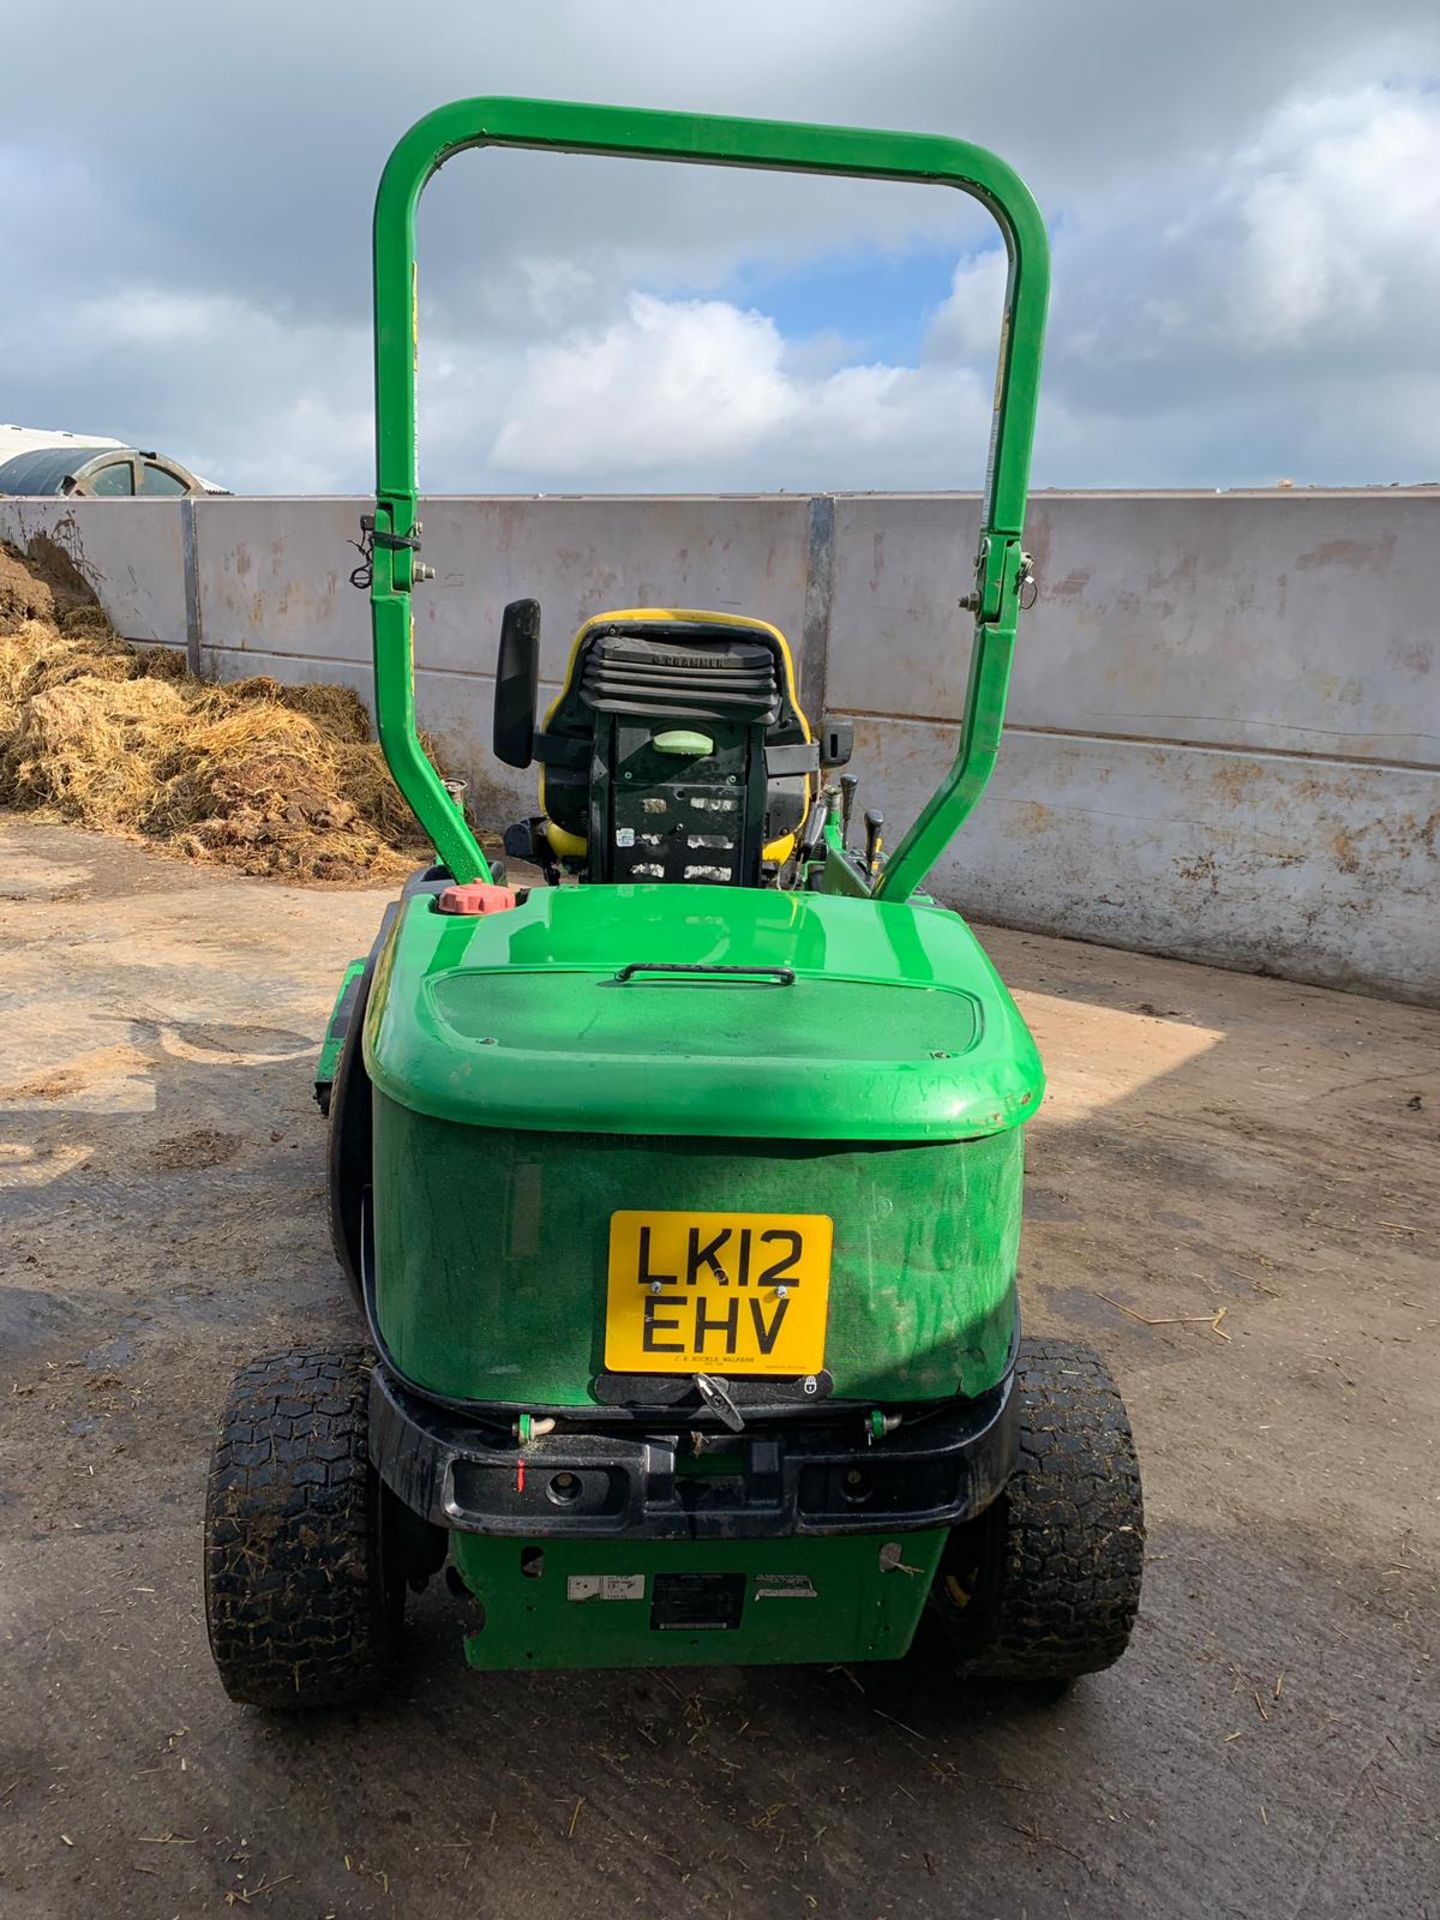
1231,1193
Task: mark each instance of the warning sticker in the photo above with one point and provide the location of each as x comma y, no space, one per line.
605,1586
785,1586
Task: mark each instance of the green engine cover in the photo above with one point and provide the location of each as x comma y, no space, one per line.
524,1093
893,1026
492,1246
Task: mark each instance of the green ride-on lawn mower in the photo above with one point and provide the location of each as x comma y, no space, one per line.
682,1192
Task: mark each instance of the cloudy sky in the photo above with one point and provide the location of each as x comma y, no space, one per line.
1243,196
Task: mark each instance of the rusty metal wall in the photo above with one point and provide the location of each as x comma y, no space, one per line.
1224,729
1224,737
130,550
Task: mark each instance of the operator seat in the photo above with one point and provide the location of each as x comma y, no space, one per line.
675,750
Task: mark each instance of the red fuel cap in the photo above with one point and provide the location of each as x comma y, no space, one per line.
477,896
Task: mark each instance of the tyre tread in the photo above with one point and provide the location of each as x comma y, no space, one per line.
1068,1536
298,1605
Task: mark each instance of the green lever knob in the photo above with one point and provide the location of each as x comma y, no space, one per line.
681,741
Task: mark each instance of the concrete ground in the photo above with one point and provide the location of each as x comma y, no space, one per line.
1232,1193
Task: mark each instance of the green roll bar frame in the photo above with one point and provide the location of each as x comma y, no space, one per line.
1001,568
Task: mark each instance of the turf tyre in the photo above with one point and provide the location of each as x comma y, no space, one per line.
1045,1585
301,1606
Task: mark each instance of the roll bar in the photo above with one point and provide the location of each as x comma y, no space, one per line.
706,140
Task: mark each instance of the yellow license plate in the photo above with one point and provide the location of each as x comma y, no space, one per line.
717,1292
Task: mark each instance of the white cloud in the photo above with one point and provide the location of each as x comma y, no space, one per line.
248,397
1247,243
967,326
1259,329
700,388
671,382
1342,219
1270,312
147,317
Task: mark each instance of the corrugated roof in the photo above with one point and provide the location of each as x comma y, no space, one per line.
44,469
15,440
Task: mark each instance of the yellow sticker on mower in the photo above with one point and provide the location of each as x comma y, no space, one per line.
728,1293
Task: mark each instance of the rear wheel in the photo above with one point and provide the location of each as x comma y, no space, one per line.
303,1602
1045,1585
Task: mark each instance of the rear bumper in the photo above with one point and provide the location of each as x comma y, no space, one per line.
940,1467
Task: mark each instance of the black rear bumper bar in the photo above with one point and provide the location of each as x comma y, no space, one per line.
939,1467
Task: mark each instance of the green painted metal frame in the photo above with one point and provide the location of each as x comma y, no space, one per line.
842,1603
571,127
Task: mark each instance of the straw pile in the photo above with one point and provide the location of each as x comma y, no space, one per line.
255,775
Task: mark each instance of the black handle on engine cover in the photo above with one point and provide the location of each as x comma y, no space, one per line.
779,976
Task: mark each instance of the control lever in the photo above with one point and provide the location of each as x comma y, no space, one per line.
814,833
874,842
848,783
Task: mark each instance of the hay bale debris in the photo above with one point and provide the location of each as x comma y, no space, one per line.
272,779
